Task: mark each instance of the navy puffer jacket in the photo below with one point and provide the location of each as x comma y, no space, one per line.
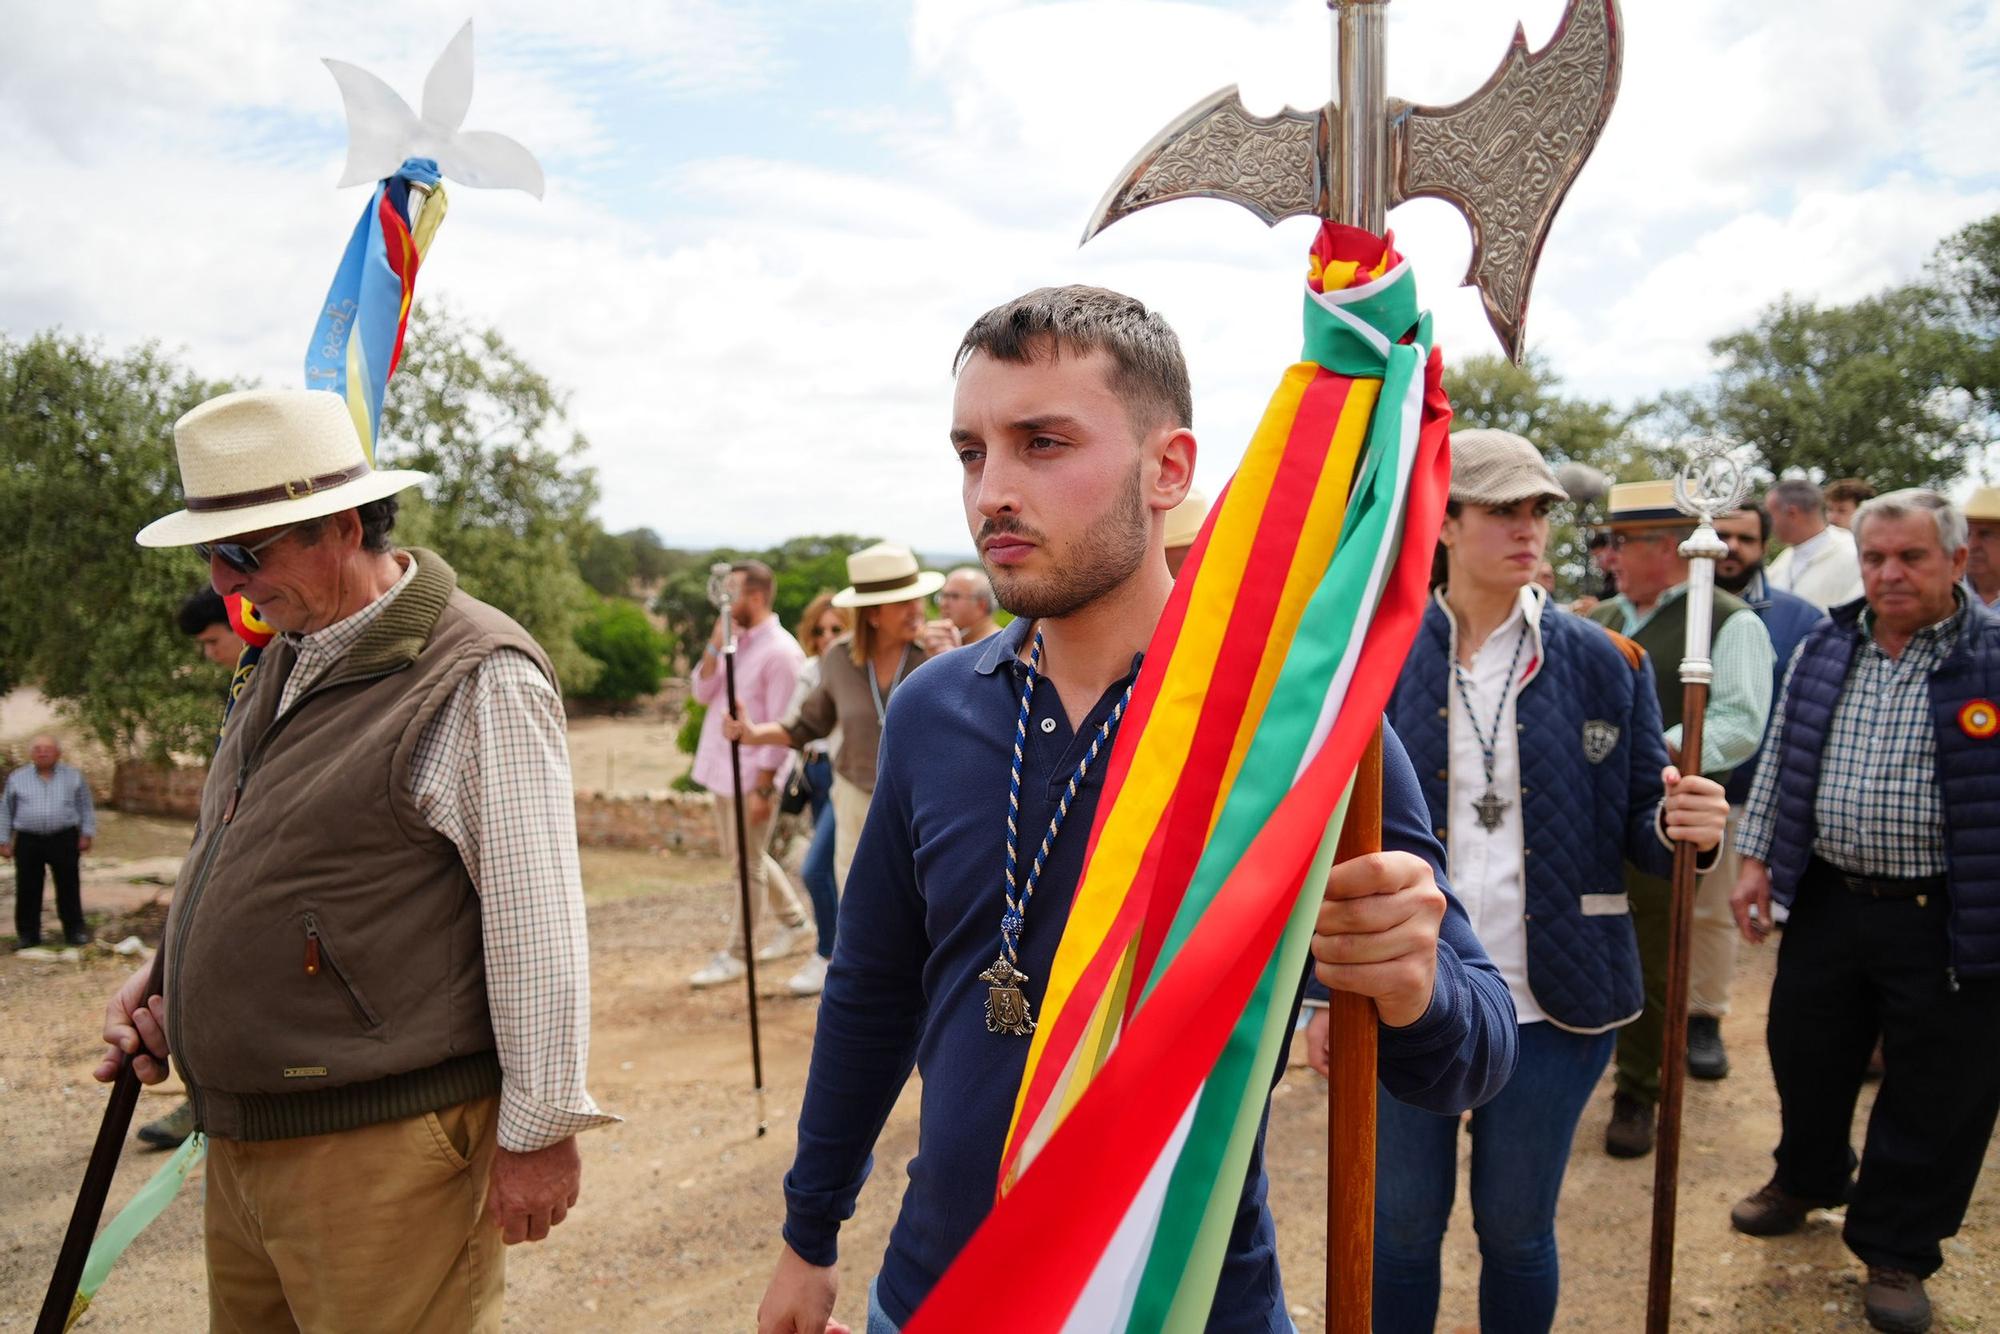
1968,766
1591,750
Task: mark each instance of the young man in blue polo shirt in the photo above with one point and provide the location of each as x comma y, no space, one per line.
1071,424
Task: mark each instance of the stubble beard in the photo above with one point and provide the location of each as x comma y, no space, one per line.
1109,553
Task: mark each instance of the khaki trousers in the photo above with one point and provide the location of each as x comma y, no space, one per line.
1712,942
850,812
768,881
382,1229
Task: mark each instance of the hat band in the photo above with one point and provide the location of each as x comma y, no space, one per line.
299,490
889,585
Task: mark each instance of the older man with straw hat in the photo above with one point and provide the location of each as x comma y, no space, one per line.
374,973
1982,562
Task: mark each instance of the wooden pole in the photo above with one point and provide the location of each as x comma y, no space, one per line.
1350,1093
1673,1058
97,1174
743,880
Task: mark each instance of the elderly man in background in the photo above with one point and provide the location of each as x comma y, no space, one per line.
375,969
967,602
1647,530
46,824
768,663
1819,561
1879,826
1843,497
1982,550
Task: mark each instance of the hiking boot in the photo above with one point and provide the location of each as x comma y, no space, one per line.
1630,1133
170,1130
1895,1301
1772,1212
787,941
724,967
809,980
1707,1057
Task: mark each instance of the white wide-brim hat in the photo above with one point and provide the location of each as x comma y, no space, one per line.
1184,520
263,458
885,573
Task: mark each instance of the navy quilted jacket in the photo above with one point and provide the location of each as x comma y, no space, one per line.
1968,771
1582,818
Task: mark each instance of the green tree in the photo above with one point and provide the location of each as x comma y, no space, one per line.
86,460
1966,270
607,565
630,654
509,502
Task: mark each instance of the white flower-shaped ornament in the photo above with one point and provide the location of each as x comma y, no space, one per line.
382,131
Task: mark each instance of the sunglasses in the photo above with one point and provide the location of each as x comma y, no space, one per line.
238,557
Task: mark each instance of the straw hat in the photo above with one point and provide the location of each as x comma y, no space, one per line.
1984,505
263,458
1644,505
1184,520
885,573
1490,467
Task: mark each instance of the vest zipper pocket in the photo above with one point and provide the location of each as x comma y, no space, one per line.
319,953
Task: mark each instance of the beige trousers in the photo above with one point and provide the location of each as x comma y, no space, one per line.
383,1228
768,881
1712,942
850,812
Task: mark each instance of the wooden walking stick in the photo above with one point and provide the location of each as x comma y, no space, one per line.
1350,1096
719,593
1504,158
1709,485
89,1208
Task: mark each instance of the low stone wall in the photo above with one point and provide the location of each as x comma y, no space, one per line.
682,821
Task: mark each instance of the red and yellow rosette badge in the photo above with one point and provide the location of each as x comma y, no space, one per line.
1980,719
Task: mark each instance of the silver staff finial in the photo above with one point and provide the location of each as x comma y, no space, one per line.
1710,483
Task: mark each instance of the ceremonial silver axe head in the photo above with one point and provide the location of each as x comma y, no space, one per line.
1504,157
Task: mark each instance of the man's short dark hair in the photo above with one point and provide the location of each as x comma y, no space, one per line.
378,520
1798,493
757,577
1149,372
1763,522
201,609
1853,489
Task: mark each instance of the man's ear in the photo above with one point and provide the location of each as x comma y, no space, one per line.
1176,471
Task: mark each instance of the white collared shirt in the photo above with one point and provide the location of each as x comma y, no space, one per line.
1488,866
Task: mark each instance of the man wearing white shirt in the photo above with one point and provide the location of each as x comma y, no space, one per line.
1819,562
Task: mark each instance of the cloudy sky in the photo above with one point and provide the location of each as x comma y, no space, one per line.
767,224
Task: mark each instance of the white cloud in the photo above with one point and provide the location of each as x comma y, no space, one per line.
773,357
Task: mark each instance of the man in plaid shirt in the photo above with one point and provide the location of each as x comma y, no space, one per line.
1876,817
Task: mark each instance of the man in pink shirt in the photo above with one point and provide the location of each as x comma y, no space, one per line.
768,662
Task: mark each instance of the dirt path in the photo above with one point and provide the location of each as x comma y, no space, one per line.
678,1223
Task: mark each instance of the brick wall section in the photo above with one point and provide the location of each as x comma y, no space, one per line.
682,821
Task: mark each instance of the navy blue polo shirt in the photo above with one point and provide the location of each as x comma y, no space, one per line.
920,920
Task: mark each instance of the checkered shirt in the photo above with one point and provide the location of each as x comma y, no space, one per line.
1876,810
491,773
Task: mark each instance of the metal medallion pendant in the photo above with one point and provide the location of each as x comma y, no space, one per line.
1490,808
1006,1007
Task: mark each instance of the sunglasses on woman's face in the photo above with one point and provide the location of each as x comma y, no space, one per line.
238,557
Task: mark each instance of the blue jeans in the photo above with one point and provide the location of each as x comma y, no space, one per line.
1520,1147
818,869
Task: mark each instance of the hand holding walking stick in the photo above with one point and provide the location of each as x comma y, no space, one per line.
722,596
1710,484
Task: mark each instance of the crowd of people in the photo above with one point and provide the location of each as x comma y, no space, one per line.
389,819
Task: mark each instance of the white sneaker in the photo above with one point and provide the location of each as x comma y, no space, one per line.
724,967
788,941
810,979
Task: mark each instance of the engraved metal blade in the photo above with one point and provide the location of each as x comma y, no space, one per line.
1507,155
1275,166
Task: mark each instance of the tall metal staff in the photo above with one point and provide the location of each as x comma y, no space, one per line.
1504,157
1710,484
722,596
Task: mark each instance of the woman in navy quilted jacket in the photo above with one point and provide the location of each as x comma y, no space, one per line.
1537,736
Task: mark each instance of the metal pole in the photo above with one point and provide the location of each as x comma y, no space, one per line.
1361,187
1696,672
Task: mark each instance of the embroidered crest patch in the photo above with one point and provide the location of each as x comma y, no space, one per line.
1600,738
1980,719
